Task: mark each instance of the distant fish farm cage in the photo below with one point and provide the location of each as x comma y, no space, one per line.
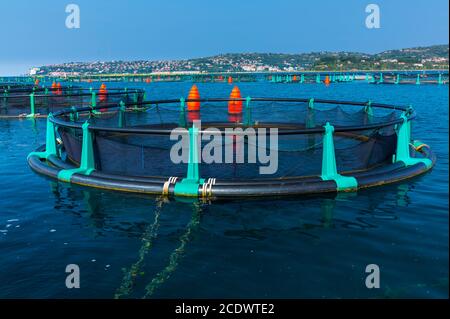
19,101
410,78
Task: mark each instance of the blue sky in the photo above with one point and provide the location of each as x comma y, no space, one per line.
34,33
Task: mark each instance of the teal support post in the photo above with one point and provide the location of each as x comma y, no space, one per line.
397,80
418,79
189,186
311,103
381,78
329,169
121,114
402,153
50,141
302,78
367,77
87,163
310,115
182,122
318,78
248,112
440,79
93,100
73,116
32,106
368,108
368,111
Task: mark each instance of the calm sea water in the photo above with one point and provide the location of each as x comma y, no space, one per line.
315,247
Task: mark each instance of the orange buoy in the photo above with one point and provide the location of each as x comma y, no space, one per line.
294,78
327,80
230,79
54,87
36,82
235,107
90,81
102,93
193,95
58,88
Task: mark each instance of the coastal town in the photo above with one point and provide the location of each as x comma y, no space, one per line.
427,58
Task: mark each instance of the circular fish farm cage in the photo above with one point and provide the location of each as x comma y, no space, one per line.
409,78
236,147
22,101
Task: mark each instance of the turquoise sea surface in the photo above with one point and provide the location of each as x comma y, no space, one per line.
130,246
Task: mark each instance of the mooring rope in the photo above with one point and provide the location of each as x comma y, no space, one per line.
134,271
176,255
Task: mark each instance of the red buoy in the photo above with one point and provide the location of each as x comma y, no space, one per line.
193,95
235,107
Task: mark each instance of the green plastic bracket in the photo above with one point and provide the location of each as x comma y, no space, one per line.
302,78
182,118
381,78
311,103
32,106
318,78
248,111
440,79
402,153
73,116
329,169
397,80
87,165
121,114
368,108
50,141
93,100
418,79
189,185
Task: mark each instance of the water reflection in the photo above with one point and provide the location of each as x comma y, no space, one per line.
176,221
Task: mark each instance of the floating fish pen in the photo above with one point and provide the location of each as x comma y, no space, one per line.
311,78
32,101
302,146
408,78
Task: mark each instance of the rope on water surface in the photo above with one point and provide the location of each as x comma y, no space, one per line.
134,271
176,255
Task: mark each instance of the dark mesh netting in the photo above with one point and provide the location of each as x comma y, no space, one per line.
233,155
18,101
72,139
